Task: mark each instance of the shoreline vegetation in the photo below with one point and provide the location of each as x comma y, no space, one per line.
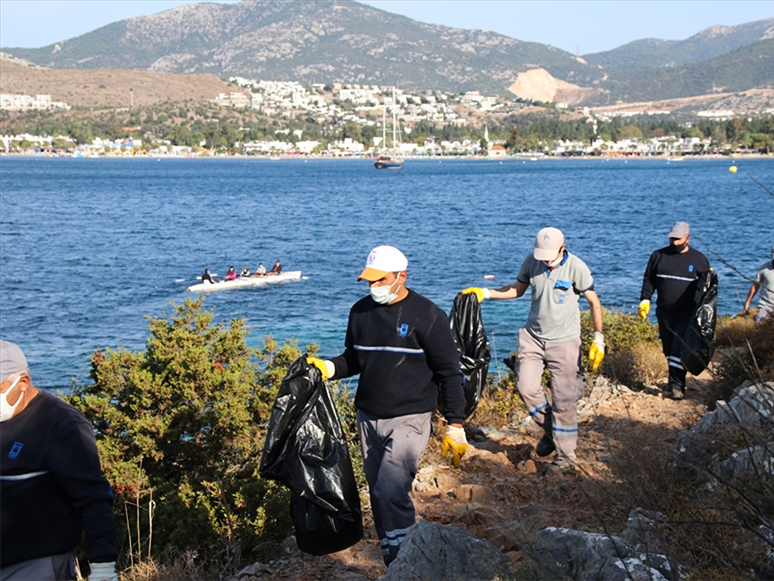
449,157
180,429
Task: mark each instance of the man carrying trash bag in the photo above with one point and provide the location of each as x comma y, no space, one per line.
401,345
673,273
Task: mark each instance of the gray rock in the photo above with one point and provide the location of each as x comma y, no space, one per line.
491,433
254,570
751,407
629,570
433,552
582,556
699,448
755,462
642,534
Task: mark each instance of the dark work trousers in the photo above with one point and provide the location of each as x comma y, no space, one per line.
391,450
671,330
53,568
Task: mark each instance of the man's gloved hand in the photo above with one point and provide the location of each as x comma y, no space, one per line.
103,572
319,364
481,293
643,309
456,442
597,350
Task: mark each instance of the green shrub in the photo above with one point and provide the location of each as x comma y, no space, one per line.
633,353
180,430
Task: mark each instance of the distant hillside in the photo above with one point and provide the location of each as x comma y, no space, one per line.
109,87
748,67
707,44
331,41
343,41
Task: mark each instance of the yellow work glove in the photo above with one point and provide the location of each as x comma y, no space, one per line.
456,442
481,293
643,309
597,350
319,364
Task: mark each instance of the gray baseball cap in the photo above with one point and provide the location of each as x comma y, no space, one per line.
680,230
12,360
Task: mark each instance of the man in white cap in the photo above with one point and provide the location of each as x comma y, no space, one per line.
673,272
51,486
401,345
552,339
764,280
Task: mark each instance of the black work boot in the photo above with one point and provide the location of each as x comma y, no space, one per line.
545,446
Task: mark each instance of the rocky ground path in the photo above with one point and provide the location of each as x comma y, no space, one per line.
506,494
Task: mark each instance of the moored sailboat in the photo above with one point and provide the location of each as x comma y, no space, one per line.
389,159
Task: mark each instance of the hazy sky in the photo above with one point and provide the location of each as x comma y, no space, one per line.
577,26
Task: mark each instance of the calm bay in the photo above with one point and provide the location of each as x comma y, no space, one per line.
89,247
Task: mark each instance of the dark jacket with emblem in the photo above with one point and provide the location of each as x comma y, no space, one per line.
404,353
51,485
673,275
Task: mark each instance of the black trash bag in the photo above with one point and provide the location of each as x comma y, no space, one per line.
699,338
306,450
467,329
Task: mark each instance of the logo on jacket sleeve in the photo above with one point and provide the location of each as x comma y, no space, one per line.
404,329
690,268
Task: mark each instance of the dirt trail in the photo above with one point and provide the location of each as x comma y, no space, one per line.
506,494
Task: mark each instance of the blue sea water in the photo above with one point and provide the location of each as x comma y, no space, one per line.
90,247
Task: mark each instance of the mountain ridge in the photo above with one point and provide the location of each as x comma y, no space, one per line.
344,41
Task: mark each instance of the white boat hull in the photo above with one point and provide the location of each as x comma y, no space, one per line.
245,282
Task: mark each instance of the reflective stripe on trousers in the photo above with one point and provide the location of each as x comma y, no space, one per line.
391,451
567,384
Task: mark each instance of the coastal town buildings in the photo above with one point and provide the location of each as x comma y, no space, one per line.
337,104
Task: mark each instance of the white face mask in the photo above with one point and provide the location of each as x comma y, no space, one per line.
383,295
556,261
6,409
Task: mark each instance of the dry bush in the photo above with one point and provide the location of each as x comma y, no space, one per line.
751,358
709,529
632,351
500,405
181,568
732,331
640,364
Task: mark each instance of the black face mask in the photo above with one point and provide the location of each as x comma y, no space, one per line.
678,248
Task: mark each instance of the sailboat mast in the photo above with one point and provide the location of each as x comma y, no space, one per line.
394,123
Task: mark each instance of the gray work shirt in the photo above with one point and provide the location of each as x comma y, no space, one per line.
765,278
554,315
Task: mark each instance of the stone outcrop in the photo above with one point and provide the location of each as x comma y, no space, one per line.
637,554
430,552
706,452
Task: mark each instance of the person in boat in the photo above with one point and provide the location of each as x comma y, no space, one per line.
207,278
276,269
52,490
245,273
764,281
401,345
551,339
673,273
231,274
260,271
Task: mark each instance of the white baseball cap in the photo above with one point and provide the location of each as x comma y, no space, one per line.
381,261
547,243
